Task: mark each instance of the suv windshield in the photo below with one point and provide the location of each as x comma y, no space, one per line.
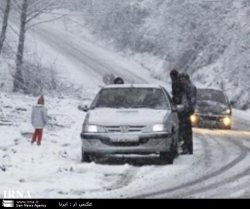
152,98
211,95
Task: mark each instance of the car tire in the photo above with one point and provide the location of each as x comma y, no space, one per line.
167,157
86,158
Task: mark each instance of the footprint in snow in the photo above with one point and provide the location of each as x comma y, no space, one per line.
62,170
63,154
3,168
17,141
65,145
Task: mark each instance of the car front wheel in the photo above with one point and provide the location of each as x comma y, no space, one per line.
86,158
169,156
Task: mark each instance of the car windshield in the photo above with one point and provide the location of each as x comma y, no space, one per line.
151,98
211,95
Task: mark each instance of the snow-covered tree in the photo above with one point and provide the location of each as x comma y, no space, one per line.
29,10
6,12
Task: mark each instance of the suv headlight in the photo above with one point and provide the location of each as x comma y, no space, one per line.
227,121
194,118
93,129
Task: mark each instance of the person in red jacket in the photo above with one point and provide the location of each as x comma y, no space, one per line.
39,120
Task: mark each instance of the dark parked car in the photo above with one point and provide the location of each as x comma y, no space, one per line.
213,110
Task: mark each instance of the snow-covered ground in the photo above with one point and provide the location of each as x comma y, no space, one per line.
219,167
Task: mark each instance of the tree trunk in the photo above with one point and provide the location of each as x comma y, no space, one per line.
5,24
18,78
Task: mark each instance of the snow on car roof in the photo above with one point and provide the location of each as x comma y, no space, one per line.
210,89
132,86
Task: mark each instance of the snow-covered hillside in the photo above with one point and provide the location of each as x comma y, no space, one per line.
208,39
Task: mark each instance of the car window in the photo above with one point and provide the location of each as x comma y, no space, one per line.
211,95
152,98
169,98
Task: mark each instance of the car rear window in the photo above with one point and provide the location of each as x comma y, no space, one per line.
151,98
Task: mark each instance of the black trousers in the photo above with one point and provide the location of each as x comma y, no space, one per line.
186,132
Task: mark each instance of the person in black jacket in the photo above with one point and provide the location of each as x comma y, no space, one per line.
118,80
189,97
177,87
177,90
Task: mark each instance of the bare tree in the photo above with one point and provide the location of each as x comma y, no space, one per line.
29,10
18,78
5,24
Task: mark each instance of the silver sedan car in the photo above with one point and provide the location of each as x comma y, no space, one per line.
131,119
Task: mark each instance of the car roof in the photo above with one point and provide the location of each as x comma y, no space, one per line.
210,89
132,86
214,90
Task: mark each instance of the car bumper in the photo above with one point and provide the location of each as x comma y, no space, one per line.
211,121
144,143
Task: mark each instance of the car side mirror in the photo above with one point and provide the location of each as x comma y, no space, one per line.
174,108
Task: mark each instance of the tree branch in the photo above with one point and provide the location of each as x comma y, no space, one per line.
45,21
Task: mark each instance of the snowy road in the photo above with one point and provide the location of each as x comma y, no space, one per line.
219,169
93,62
223,164
220,166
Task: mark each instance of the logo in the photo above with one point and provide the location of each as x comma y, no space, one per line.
124,129
17,194
8,203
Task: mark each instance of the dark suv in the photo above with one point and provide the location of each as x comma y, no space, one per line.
213,110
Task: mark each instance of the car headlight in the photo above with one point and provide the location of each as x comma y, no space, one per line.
227,121
158,128
194,118
93,129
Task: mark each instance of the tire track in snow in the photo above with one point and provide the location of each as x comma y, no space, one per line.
124,180
205,160
246,172
248,148
244,152
209,176
207,151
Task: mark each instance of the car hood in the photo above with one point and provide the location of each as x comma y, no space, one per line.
119,117
210,107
